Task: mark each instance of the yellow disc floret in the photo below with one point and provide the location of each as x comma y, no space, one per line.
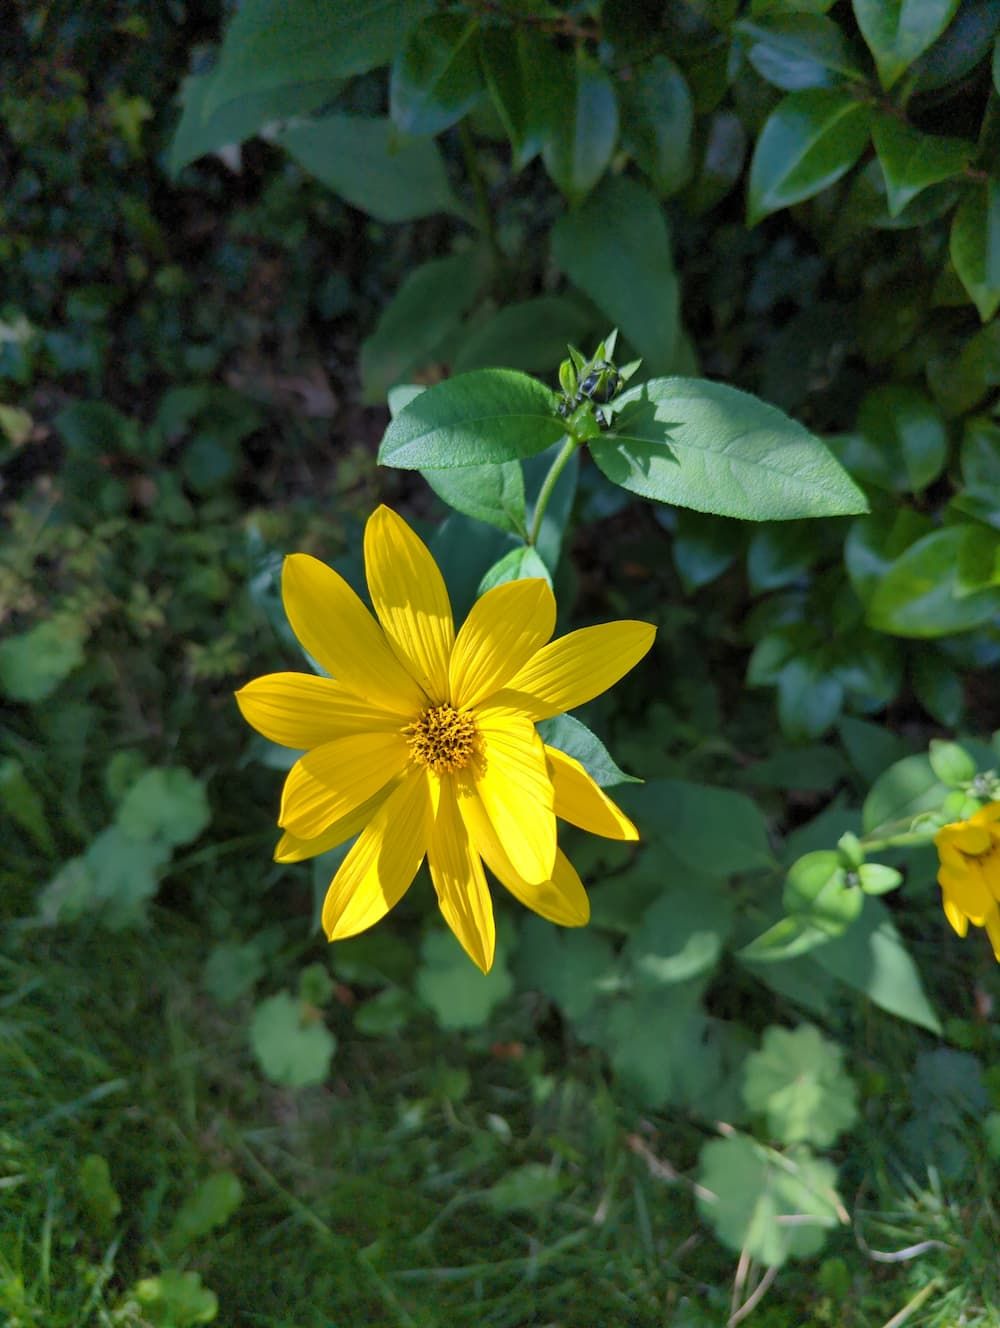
443,739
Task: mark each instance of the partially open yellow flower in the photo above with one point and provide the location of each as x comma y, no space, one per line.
970,872
425,741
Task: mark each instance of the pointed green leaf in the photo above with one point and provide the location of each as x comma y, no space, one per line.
435,78
576,740
920,593
796,51
704,445
494,494
581,129
658,122
975,246
529,335
897,31
912,160
520,564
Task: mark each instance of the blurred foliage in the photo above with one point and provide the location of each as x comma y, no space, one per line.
208,292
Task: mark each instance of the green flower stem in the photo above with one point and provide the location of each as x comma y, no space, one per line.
898,841
548,484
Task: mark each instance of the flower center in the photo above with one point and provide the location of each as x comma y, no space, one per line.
443,738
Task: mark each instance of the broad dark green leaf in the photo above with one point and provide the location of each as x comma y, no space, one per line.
426,308
576,740
367,162
272,43
474,419
504,70
908,786
797,51
240,118
938,688
875,542
494,494
781,554
579,114
810,697
808,142
871,747
712,830
704,546
435,78
616,248
912,160
897,31
711,447
531,335
657,122
920,594
908,438
681,935
975,246
571,967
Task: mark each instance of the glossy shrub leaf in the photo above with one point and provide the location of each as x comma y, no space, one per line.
703,547
435,77
907,435
897,31
875,542
975,246
616,248
475,419
427,307
912,160
239,118
797,51
744,1189
810,697
272,43
494,494
372,166
711,447
798,1082
920,593
576,740
938,688
908,787
293,1048
531,335
502,59
808,142
657,123
781,554
581,126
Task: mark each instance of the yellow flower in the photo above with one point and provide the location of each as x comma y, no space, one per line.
425,741
970,872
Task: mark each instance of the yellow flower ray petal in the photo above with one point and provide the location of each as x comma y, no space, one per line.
992,925
411,600
576,668
514,785
378,870
333,780
302,710
505,627
562,899
958,920
335,628
290,848
459,881
582,802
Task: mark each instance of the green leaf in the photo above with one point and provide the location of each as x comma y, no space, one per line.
35,662
912,160
520,564
211,1206
435,78
427,308
111,881
907,435
174,1299
527,1189
817,894
786,939
870,747
455,990
711,447
94,428
576,740
503,65
367,162
475,419
581,122
951,763
920,593
877,879
703,547
938,687
872,959
897,31
815,768
239,118
975,246
272,43
572,967
712,830
531,335
21,803
494,494
681,935
658,123
99,1196
808,142
232,970
616,248
386,1014
876,541
745,1190
292,1048
781,554
797,51
798,1081
167,806
909,786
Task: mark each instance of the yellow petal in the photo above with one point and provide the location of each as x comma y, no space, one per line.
967,890
562,899
514,785
379,868
411,600
337,630
291,848
958,920
993,932
303,710
582,802
576,668
459,881
505,627
333,780
971,838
